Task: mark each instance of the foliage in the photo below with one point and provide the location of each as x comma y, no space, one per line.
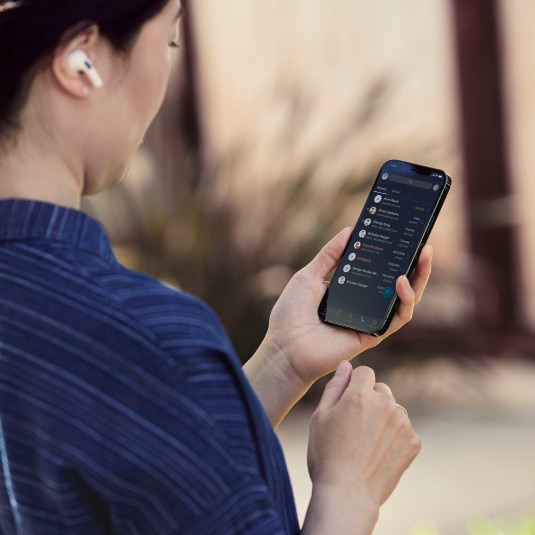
233,230
486,526
425,528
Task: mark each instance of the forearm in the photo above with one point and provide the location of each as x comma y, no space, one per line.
330,511
274,381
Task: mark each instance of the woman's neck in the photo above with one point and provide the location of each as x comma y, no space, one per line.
39,175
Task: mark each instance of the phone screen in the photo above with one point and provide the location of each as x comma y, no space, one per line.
395,222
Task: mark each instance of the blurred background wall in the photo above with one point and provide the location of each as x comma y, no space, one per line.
277,119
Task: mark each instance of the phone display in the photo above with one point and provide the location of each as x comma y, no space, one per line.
395,223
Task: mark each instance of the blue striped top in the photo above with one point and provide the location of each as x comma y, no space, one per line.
123,407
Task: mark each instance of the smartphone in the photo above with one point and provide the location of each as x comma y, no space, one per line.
395,223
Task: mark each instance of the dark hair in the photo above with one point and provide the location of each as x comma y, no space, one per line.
32,29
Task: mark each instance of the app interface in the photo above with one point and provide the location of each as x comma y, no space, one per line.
396,217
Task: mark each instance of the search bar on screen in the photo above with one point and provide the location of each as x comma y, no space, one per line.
410,181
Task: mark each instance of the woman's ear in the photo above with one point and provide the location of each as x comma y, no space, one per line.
73,64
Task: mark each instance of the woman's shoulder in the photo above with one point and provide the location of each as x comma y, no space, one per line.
168,312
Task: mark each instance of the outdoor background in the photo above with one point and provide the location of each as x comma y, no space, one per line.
278,117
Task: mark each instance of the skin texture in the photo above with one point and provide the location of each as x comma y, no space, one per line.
77,140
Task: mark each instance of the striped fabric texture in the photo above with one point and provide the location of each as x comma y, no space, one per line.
123,408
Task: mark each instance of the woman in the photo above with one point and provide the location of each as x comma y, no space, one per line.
123,407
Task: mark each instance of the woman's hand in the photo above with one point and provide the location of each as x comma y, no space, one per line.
360,444
299,348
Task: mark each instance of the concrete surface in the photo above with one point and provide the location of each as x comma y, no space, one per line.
477,424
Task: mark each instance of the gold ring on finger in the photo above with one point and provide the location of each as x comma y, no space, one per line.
401,407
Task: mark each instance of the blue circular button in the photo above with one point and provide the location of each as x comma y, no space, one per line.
388,292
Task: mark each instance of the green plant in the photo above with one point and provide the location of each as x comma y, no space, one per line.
485,526
234,231
424,528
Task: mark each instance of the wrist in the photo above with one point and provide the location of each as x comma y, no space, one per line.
335,510
274,380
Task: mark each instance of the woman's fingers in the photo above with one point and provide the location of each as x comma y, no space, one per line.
422,273
336,386
329,256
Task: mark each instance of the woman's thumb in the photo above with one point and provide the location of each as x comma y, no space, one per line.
335,388
327,259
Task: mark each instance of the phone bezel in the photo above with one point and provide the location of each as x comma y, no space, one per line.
391,309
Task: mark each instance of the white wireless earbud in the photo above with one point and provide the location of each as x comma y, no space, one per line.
79,61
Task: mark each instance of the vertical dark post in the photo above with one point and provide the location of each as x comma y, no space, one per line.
191,128
492,232
177,140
